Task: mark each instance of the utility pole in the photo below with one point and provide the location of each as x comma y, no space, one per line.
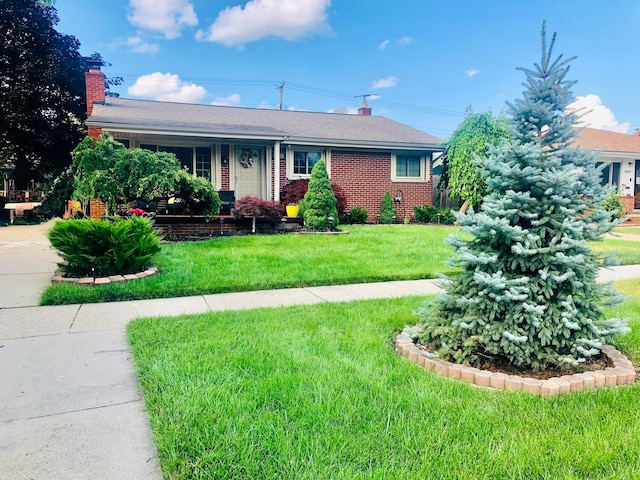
281,88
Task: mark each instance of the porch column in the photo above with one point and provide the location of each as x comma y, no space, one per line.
276,171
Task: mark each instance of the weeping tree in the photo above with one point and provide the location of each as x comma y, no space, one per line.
462,174
527,297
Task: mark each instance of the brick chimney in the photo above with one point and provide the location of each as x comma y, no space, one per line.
364,110
636,132
94,81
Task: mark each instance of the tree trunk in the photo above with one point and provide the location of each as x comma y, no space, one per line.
464,207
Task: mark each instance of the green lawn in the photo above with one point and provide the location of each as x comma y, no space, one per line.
317,392
259,262
631,230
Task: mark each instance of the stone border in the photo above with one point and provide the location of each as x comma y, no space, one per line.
58,278
622,372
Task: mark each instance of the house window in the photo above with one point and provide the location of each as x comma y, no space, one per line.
303,161
610,173
203,162
409,167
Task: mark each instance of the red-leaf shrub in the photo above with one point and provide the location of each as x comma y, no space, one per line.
294,191
259,208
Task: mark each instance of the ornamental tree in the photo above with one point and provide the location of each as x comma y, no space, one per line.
527,296
319,203
461,172
107,170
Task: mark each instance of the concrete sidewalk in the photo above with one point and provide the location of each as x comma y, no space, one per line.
71,405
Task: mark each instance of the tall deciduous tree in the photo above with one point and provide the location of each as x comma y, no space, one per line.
42,99
527,296
470,142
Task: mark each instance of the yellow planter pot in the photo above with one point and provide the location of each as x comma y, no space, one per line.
293,210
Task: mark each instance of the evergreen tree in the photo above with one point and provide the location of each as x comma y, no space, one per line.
319,204
387,210
527,296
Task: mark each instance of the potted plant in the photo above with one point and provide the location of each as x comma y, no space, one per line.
293,209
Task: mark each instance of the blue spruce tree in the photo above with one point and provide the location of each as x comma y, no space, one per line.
527,297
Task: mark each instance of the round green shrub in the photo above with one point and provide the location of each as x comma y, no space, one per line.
358,215
101,248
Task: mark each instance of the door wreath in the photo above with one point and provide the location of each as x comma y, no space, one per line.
247,157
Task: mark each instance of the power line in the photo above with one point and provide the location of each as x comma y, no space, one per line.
347,97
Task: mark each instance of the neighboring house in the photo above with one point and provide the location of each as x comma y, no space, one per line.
621,153
257,151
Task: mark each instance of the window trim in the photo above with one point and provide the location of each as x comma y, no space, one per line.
425,162
325,155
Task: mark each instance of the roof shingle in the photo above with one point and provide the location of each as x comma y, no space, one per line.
607,141
263,123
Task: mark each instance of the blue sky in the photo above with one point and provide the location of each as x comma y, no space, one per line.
424,61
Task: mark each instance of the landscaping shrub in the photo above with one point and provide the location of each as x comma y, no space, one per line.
105,169
426,214
447,217
614,206
358,215
387,210
294,191
319,204
101,248
258,208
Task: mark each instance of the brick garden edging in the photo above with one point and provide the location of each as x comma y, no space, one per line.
621,373
58,278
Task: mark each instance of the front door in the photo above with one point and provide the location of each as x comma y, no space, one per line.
248,171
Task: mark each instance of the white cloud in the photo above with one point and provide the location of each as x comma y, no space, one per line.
168,17
288,19
166,87
400,41
388,82
344,110
592,113
471,72
140,46
230,101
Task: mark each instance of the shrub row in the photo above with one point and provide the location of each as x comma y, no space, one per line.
431,214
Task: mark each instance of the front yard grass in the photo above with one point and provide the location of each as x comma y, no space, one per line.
260,262
317,392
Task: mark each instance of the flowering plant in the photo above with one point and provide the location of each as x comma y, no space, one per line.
137,211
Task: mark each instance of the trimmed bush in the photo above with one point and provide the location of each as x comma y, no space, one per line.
101,248
294,191
426,214
319,204
358,215
259,208
387,210
430,214
614,206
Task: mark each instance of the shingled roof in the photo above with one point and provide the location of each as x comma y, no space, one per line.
119,114
607,141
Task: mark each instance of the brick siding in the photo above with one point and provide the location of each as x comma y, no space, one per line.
366,177
627,202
